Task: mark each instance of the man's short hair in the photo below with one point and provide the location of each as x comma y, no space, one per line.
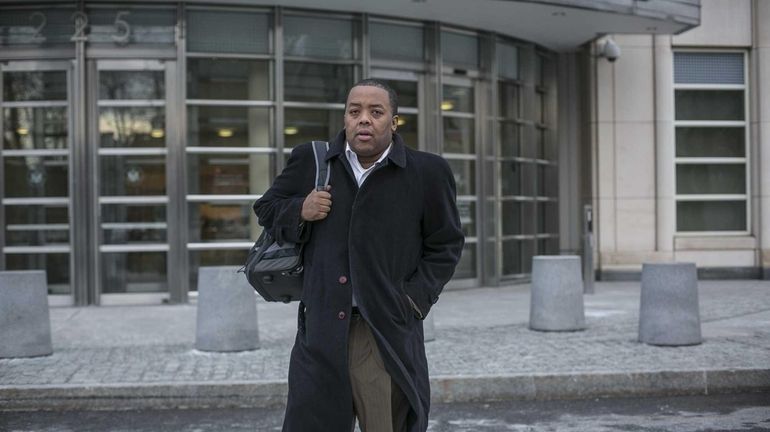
375,82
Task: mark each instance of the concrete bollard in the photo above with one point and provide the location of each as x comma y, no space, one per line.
25,323
668,311
227,311
429,328
556,303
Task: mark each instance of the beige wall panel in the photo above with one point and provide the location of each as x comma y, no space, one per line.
633,40
732,258
715,243
635,222
633,259
635,161
762,127
634,85
606,224
723,23
605,79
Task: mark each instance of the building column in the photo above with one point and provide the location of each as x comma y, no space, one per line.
760,130
665,187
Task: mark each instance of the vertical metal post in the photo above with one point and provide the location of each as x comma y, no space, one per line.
588,250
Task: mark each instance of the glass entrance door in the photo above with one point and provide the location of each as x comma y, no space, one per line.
36,136
129,154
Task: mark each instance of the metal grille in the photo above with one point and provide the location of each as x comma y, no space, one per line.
708,68
228,32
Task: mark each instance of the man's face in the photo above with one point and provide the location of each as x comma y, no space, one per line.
369,121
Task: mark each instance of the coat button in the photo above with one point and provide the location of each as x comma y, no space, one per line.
343,280
341,315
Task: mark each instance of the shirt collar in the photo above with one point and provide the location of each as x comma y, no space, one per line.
353,157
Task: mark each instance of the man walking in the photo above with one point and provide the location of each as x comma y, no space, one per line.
385,238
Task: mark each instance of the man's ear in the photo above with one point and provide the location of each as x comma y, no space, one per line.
394,123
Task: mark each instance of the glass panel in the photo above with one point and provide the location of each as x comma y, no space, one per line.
466,268
133,175
122,85
510,178
127,26
459,135
508,100
35,128
36,225
134,272
218,222
228,79
318,37
212,31
512,215
547,181
310,82
304,125
465,175
708,68
537,111
56,266
36,176
711,179
508,139
711,215
228,174
460,50
41,26
710,142
134,223
512,256
467,210
457,99
222,257
709,105
408,129
547,217
507,61
549,246
34,86
214,126
396,42
132,127
528,179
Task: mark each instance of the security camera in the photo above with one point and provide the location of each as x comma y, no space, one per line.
610,50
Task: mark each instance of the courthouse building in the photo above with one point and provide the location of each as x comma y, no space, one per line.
136,135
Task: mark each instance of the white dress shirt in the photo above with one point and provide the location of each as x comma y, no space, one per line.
360,172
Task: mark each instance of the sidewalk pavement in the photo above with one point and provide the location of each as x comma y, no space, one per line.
124,357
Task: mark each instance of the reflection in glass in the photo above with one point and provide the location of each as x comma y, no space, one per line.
35,86
408,129
459,135
396,42
22,26
710,141
467,211
133,175
508,100
460,49
549,246
56,266
514,212
510,178
711,179
508,139
548,217
314,82
457,99
142,26
228,221
35,128
514,252
36,225
36,176
219,126
122,85
547,181
133,272
465,175
228,174
466,268
133,223
711,216
132,127
304,125
217,257
709,105
315,36
406,92
228,79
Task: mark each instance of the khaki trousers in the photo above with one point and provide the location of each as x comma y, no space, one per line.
378,403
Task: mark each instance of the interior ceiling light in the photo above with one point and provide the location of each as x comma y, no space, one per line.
22,131
401,121
447,106
225,133
157,133
290,130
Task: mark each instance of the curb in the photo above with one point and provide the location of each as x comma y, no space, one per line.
446,389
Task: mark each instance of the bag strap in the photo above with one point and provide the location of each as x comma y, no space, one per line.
322,170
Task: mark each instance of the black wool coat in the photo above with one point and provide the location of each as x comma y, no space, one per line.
397,235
